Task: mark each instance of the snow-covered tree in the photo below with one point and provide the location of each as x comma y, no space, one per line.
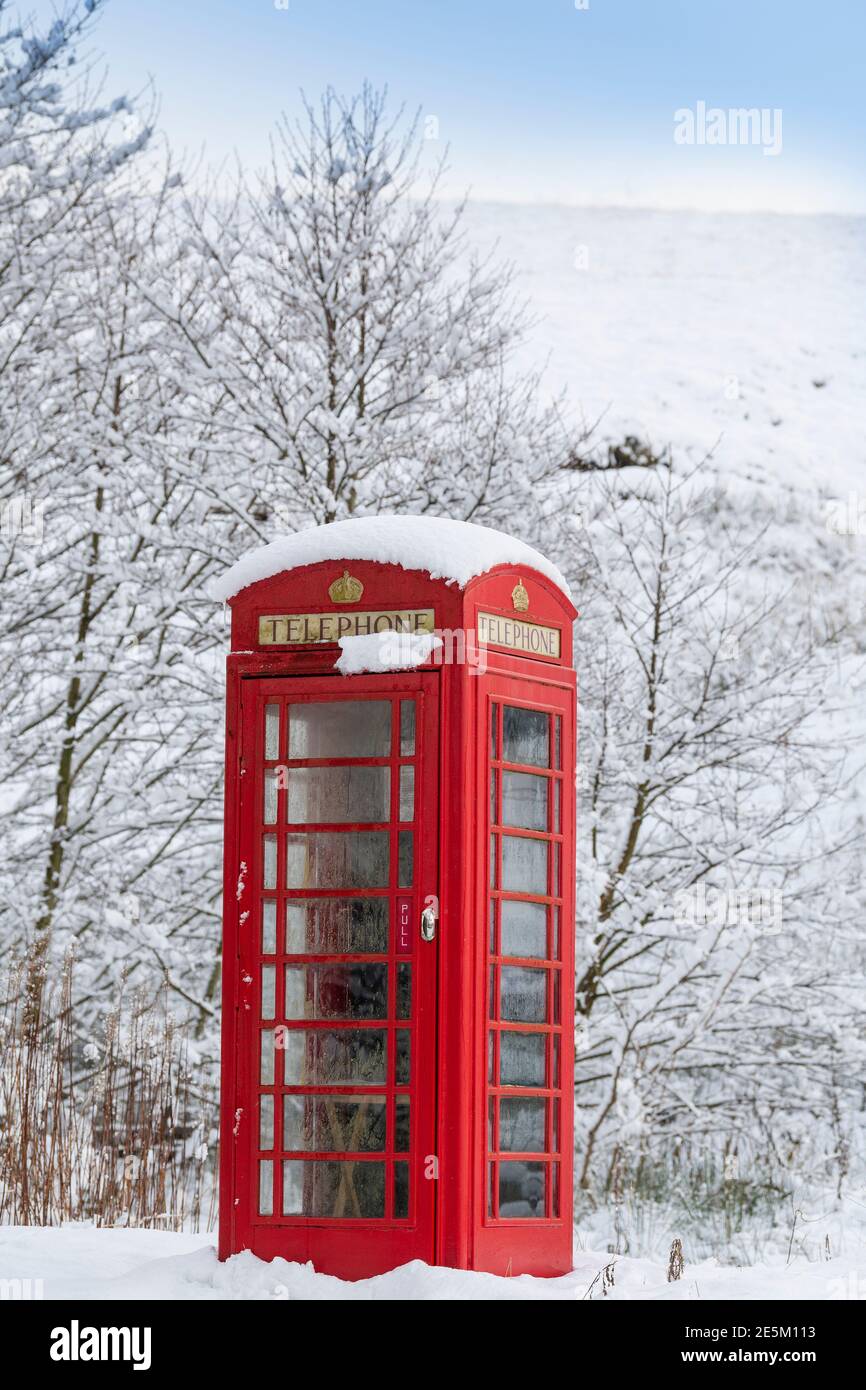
357,355
718,884
62,150
178,346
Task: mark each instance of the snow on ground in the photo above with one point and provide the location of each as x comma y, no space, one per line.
684,327
81,1262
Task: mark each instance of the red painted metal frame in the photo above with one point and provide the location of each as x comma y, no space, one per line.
334,1244
465,1235
516,1244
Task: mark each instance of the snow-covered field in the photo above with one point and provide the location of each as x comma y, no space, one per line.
697,329
80,1262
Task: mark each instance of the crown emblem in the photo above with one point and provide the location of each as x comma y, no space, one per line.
519,597
346,589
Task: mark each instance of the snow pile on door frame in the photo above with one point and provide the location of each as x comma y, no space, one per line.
385,651
455,551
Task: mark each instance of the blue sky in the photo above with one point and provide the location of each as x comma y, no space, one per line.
539,101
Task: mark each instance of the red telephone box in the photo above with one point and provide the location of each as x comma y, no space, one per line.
398,957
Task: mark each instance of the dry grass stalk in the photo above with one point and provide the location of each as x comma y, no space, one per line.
113,1130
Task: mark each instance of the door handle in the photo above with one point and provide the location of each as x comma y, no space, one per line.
428,924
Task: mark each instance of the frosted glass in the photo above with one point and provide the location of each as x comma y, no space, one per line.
326,795
340,729
524,865
524,800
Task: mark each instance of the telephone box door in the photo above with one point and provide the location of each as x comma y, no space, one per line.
337,968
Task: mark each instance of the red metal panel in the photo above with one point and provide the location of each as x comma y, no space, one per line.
357,1247
457,1022
231,860
513,1241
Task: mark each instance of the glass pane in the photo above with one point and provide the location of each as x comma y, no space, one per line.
338,859
494,866
524,995
524,864
557,806
336,926
266,1068
404,990
269,927
524,800
521,1058
407,728
334,794
491,1058
266,1122
405,846
554,1077
403,1056
555,1194
493,950
323,1187
521,1189
557,740
524,929
340,729
401,1125
338,1057
272,732
525,736
269,810
269,869
556,936
407,793
522,1125
494,731
555,886
401,1190
491,1187
266,1187
334,1124
336,991
269,981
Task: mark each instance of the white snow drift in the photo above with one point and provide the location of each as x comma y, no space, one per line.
80,1262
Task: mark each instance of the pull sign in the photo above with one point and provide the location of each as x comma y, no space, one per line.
404,926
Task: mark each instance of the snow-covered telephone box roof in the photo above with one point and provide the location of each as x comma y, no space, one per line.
453,551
